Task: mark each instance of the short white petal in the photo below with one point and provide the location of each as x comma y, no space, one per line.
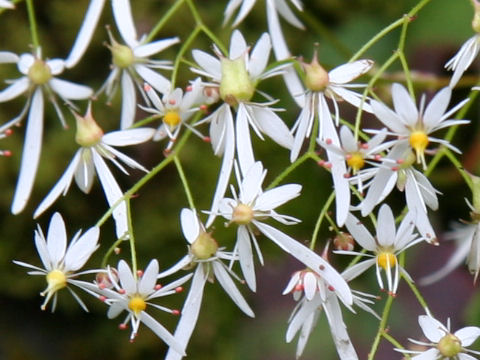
385,226
277,196
17,88
345,73
127,280
246,257
432,328
26,60
436,108
404,105
271,124
31,153
7,57
154,47
208,63
468,335
149,278
190,225
79,252
128,136
69,90
259,56
389,118
56,238
158,81
42,249
238,45
360,233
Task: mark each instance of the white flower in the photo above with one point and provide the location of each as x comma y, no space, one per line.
250,208
175,108
131,63
414,126
236,78
397,169
134,295
38,81
208,258
443,344
89,160
61,263
388,243
468,52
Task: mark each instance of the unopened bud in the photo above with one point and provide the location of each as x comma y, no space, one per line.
204,247
316,77
236,85
88,132
344,241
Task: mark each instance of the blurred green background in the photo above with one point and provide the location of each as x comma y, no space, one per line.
340,27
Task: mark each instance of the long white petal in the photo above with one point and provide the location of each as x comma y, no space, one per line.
162,333
56,239
275,197
208,63
31,153
404,105
154,47
246,257
190,312
17,88
259,56
62,186
129,101
7,57
158,81
310,259
360,233
229,286
244,142
85,34
243,12
122,13
113,193
436,108
69,90
238,45
347,72
271,124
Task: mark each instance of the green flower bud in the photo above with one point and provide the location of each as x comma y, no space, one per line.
236,85
316,77
122,55
88,132
39,73
449,346
204,247
476,16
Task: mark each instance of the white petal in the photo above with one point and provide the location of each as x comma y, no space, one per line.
345,73
238,45
113,193
127,281
56,239
42,249
128,137
244,143
432,328
69,90
154,47
122,13
385,226
246,257
56,66
129,101
285,12
259,56
147,283
229,286
7,57
31,153
468,335
162,333
404,105
190,225
309,259
26,60
389,118
360,233
85,170
436,108
358,269
85,34
271,124
190,312
251,185
79,252
17,88
277,196
158,81
208,63
242,13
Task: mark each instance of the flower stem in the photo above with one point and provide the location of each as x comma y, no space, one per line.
186,188
381,328
33,25
163,20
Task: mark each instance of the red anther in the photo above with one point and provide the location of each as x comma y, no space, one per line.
331,288
132,341
395,168
179,289
117,250
207,139
400,161
189,88
378,157
346,175
348,156
158,287
121,291
299,287
8,132
102,286
328,141
203,107
147,87
139,273
176,312
392,294
321,162
102,298
322,267
172,102
328,165
7,153
123,326
364,146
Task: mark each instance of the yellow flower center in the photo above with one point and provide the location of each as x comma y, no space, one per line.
419,141
172,118
355,161
137,304
386,260
39,73
56,280
449,346
242,214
